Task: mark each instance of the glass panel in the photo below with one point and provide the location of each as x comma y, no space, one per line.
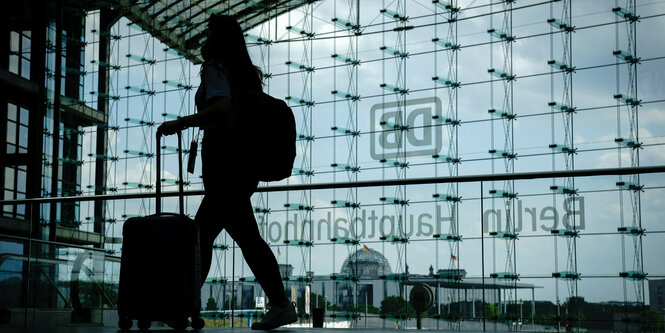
20,209
9,195
7,209
9,178
24,116
20,181
76,285
11,132
25,68
23,137
13,64
11,111
25,46
10,274
14,41
11,149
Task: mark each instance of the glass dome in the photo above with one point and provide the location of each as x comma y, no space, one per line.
366,264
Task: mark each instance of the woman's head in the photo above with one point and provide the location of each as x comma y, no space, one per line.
226,45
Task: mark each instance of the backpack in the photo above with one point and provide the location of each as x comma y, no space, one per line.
269,130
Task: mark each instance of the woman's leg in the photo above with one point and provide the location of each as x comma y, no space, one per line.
208,219
258,255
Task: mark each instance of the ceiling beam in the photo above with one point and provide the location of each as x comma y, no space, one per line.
154,27
248,13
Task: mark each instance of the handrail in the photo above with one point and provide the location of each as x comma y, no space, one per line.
368,183
67,245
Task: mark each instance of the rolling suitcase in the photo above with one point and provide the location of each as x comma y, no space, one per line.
160,266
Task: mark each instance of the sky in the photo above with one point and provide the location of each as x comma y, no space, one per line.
601,252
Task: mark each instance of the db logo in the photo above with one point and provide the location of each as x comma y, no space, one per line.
407,129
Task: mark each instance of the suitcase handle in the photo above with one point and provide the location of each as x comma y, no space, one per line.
158,189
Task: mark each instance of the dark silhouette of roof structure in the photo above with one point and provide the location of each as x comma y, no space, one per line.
181,24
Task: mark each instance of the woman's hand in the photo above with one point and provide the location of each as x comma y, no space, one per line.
218,111
170,127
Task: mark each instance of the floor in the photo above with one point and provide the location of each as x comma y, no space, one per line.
97,329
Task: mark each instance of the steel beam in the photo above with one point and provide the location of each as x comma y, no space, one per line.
153,26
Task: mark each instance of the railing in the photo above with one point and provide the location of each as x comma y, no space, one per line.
48,263
371,183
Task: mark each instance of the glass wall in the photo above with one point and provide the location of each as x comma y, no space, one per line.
385,90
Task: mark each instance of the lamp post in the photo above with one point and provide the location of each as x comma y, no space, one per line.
520,322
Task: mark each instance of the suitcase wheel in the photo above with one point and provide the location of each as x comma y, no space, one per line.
125,323
143,324
181,324
198,323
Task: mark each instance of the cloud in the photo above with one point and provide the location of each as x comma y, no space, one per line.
652,115
649,154
653,155
611,160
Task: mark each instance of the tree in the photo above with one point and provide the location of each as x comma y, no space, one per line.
228,302
320,300
492,311
360,308
211,305
396,306
652,321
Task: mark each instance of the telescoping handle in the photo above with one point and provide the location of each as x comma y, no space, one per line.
158,189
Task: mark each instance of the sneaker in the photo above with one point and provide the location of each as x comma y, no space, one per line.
277,317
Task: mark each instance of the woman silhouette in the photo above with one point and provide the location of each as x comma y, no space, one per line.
229,186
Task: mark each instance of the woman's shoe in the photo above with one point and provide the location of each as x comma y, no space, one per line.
277,317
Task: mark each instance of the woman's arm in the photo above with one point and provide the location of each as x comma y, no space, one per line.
217,112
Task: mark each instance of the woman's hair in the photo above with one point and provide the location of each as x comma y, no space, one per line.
226,45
